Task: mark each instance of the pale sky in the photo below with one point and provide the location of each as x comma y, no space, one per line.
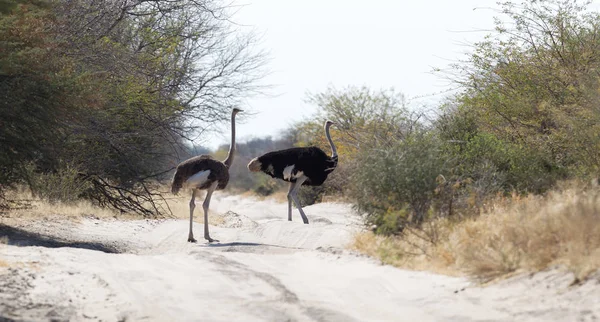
314,44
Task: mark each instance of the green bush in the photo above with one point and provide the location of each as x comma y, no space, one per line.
265,186
392,221
428,176
505,166
493,163
533,85
399,182
64,185
309,195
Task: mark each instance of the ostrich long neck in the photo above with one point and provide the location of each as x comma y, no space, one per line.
333,149
231,153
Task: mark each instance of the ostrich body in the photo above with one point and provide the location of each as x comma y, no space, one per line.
300,166
204,173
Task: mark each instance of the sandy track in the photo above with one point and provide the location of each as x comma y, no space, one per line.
264,269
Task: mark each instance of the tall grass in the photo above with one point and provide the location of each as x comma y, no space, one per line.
29,206
63,186
515,234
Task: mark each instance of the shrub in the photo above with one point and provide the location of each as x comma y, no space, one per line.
397,185
309,195
533,85
485,164
517,233
64,185
265,186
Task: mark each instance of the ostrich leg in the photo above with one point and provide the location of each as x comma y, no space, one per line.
205,206
294,193
289,198
192,206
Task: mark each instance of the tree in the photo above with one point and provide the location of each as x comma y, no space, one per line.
366,119
114,88
534,83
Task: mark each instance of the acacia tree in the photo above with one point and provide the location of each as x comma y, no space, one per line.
366,119
128,82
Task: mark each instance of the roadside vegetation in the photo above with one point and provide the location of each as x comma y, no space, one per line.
514,235
478,184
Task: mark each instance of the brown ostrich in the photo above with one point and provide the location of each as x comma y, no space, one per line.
204,173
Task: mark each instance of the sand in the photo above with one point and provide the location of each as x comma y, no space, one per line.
263,269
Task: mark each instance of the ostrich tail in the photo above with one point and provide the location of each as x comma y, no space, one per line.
175,189
176,184
254,165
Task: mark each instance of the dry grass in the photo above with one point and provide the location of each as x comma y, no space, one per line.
416,250
518,234
35,208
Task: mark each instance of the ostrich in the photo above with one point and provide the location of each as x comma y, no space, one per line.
308,165
204,173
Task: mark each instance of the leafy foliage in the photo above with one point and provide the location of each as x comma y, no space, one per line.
534,83
523,121
365,119
65,185
114,89
396,186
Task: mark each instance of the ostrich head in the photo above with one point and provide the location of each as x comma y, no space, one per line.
236,110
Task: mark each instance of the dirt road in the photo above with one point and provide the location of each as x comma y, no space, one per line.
263,269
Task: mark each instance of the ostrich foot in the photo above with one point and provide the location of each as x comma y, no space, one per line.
210,240
191,239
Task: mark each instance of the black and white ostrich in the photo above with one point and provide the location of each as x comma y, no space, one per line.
307,165
204,173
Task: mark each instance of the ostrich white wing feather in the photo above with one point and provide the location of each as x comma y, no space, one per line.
287,172
197,179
